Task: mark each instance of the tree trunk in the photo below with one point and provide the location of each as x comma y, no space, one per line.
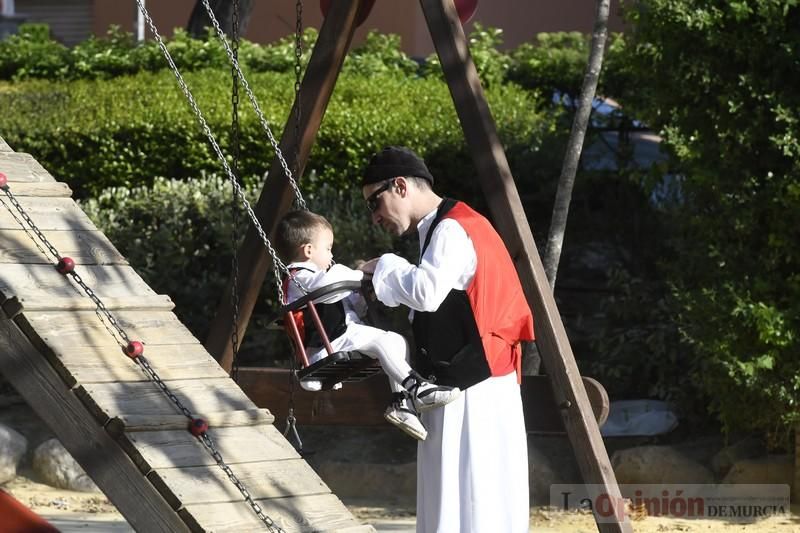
223,11
558,222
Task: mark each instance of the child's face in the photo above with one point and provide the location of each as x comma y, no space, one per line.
320,250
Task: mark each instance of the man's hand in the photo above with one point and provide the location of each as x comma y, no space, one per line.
368,267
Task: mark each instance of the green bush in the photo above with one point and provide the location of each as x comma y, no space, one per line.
492,65
97,134
718,80
31,53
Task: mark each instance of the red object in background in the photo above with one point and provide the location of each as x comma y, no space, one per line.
3,180
363,9
16,518
466,9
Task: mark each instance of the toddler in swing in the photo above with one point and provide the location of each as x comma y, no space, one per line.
304,240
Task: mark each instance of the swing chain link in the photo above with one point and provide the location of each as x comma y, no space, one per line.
207,130
291,427
235,62
298,69
234,205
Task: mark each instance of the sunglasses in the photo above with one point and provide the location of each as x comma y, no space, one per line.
372,200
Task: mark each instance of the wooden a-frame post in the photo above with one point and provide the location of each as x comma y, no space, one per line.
509,218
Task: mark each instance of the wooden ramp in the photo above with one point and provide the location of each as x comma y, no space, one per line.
118,424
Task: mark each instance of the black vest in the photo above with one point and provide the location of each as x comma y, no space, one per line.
448,344
331,315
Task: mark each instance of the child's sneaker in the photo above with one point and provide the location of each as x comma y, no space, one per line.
404,418
426,395
314,385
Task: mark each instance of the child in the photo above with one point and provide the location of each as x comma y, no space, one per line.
305,240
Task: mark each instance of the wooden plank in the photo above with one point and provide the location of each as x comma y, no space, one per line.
267,479
112,470
45,189
84,247
132,423
101,364
501,193
21,167
84,328
306,514
36,283
13,306
276,196
110,400
4,147
47,213
152,450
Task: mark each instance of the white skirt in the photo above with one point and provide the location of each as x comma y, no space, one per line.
472,470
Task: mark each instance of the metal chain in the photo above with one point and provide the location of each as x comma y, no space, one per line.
30,223
265,125
298,69
234,205
209,444
211,139
141,360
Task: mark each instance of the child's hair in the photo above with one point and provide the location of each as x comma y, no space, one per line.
294,230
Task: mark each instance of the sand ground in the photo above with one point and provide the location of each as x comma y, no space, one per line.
74,511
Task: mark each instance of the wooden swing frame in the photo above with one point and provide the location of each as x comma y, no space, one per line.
568,388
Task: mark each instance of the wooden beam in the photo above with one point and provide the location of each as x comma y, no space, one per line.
90,445
509,217
277,196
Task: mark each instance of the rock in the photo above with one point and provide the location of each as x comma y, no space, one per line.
56,467
550,462
748,448
775,469
658,464
12,448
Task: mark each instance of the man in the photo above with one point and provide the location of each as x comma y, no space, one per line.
468,317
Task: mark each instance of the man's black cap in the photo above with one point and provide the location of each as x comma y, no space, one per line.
394,161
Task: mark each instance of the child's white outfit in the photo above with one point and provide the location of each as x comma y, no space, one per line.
390,348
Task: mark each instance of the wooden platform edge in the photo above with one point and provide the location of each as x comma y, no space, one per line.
99,455
16,305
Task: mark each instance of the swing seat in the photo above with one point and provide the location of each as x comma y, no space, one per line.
337,367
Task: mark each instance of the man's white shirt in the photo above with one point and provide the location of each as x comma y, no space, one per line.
449,263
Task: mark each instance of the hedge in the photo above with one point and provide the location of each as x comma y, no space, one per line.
123,132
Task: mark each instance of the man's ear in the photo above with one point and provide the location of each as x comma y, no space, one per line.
401,184
306,250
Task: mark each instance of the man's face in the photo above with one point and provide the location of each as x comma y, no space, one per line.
388,204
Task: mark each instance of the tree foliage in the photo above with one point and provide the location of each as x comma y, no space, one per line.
719,80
